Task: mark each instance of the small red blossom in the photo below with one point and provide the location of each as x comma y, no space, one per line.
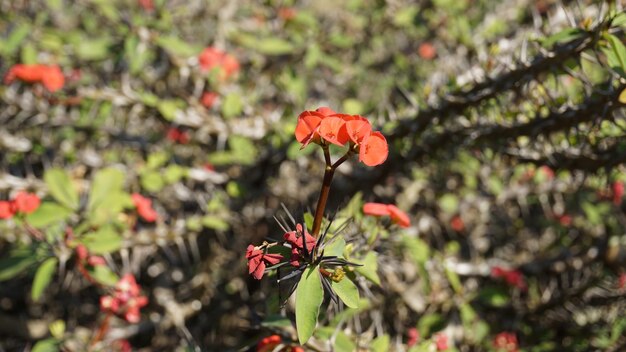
212,58
512,277
564,219
297,242
307,127
6,209
378,209
287,13
441,341
122,346
618,192
621,281
268,344
413,337
125,301
50,76
177,136
374,149
547,172
25,202
258,260
144,207
505,342
333,130
147,5
208,99
457,224
427,51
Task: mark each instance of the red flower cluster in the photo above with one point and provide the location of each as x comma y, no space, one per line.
326,126
49,75
269,344
427,51
505,342
512,277
144,207
413,337
23,203
441,341
257,259
177,136
379,209
457,224
125,301
618,192
212,58
296,240
84,258
208,99
621,281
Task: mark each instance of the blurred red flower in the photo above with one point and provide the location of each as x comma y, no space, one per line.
126,300
6,209
268,344
618,192
147,5
441,341
505,342
374,149
413,337
177,135
621,281
512,277
457,224
287,13
378,209
49,75
257,259
427,51
25,202
212,58
208,99
144,207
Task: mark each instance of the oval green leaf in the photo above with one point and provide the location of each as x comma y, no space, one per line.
43,276
347,291
61,188
309,297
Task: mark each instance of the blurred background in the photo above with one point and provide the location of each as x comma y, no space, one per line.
505,123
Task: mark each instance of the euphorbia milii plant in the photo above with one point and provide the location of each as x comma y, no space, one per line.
313,263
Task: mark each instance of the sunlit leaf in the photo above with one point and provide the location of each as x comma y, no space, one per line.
43,277
309,297
61,188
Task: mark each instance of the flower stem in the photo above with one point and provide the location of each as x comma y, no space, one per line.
328,178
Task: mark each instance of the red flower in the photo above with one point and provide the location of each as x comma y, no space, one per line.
441,341
122,346
413,337
325,110
177,136
457,224
295,239
268,344
618,192
287,13
144,207
214,59
564,219
505,342
257,259
147,5
513,277
333,130
547,172
307,127
378,209
208,99
621,282
374,150
50,76
125,301
25,202
6,209
358,129
427,51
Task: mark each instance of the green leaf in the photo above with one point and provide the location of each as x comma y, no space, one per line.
309,297
370,267
416,249
104,275
177,47
174,173
454,280
494,296
449,203
335,248
276,321
616,54
380,344
92,49
16,263
274,46
61,188
430,323
242,148
308,221
168,109
215,223
109,208
47,345
104,183
16,38
347,291
152,181
343,343
563,36
352,106
48,213
43,276
232,105
104,240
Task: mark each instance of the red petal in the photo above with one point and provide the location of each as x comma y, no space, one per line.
398,216
375,209
259,271
326,111
374,150
6,209
306,129
358,130
333,129
53,78
25,202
